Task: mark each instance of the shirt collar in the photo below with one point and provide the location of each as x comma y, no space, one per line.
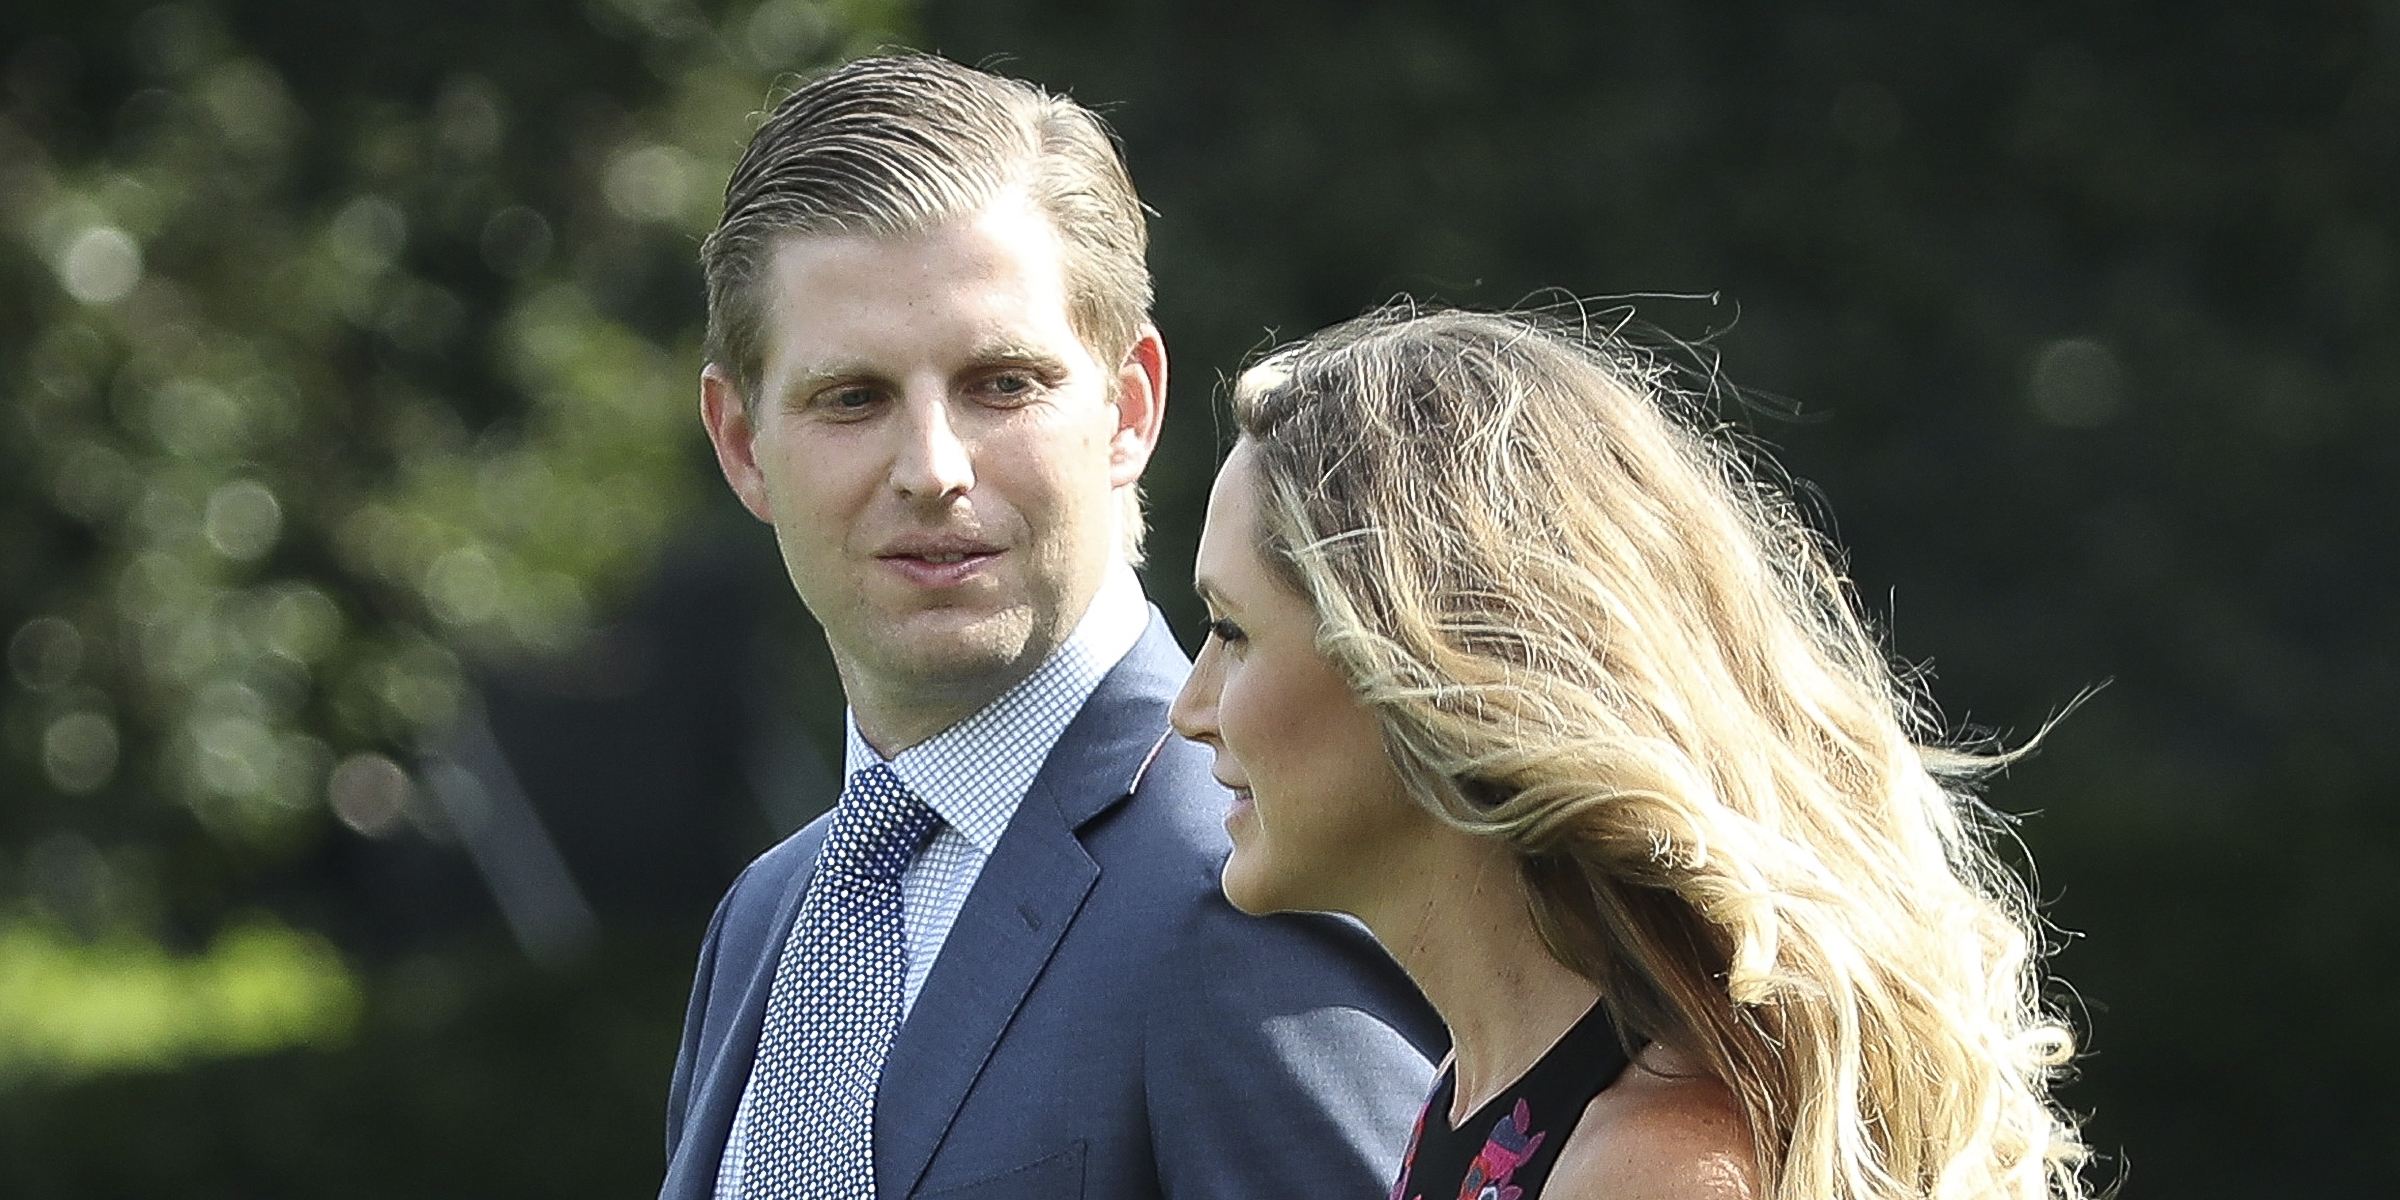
975,773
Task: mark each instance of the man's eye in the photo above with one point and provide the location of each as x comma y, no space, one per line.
1011,387
847,400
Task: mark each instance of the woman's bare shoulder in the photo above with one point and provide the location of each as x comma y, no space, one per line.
1663,1131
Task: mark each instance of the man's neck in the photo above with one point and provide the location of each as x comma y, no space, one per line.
891,722
893,716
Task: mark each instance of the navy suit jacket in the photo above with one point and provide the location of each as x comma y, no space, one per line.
1100,1022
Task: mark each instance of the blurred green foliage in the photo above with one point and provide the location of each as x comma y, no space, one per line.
312,395
69,1006
346,353
467,1076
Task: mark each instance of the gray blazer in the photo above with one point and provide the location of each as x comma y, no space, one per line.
1100,1022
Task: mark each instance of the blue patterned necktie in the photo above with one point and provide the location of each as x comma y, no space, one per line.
835,1004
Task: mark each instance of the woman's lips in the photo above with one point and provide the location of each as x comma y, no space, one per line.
1241,807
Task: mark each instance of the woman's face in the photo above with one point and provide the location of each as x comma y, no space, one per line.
1320,821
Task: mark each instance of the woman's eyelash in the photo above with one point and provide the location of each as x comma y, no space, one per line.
1223,630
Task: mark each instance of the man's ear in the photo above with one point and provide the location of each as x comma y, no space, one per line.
730,431
1141,406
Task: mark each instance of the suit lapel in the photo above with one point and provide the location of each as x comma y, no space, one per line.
1030,890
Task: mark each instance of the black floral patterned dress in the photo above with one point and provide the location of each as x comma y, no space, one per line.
1505,1150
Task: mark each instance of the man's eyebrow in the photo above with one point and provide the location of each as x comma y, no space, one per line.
814,379
817,378
1009,350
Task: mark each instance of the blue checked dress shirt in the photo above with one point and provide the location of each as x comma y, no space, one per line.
973,775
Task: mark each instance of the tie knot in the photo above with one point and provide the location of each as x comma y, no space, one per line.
878,828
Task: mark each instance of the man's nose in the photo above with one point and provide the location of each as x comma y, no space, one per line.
932,461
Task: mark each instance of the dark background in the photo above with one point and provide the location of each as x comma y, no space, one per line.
2078,318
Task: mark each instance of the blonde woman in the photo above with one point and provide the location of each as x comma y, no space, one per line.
1512,660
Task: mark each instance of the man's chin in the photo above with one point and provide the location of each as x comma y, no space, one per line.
972,655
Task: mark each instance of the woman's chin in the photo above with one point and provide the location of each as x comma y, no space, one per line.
1246,891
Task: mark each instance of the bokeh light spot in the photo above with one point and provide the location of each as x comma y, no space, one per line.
92,482
247,99
236,754
2076,383
551,614
649,183
464,586
101,265
468,118
195,419
421,685
69,360
423,318
70,879
516,241
302,624
154,587
370,793
781,33
79,752
243,520
367,235
45,653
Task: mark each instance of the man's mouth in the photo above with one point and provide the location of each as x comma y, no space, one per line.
941,564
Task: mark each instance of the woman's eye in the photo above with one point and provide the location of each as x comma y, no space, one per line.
1225,631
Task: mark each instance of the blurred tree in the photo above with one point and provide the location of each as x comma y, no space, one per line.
345,365
346,350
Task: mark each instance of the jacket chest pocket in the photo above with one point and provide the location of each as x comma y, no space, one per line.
1057,1177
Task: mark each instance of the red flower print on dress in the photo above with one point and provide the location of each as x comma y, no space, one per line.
1512,1142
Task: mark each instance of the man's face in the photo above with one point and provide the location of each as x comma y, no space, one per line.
937,451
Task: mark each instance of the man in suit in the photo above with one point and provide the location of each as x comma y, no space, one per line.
1001,966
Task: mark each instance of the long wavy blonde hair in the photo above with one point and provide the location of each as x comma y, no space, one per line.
1595,629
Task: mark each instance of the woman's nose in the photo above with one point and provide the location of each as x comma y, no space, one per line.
1194,713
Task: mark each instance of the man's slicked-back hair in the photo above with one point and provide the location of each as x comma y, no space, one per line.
895,145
